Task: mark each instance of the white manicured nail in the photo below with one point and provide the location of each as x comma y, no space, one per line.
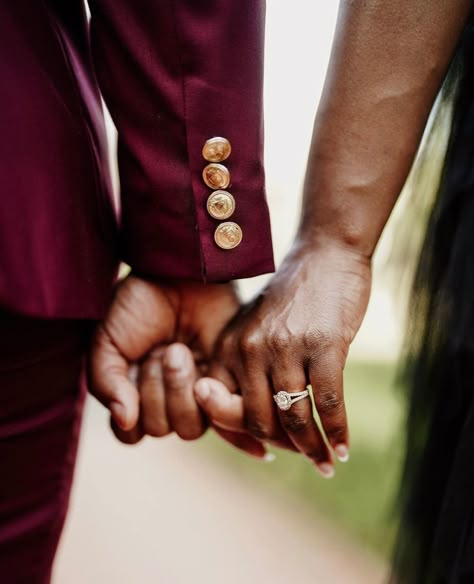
342,452
269,457
326,470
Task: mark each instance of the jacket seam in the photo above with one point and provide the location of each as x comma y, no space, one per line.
186,137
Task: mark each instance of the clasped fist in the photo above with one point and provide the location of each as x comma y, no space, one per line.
199,359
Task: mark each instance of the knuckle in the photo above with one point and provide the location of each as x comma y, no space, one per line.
324,338
311,338
156,429
328,342
328,402
190,433
337,433
295,424
259,429
281,341
249,344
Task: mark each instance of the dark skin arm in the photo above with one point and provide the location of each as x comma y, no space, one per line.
388,62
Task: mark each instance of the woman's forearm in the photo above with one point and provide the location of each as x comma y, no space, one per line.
388,62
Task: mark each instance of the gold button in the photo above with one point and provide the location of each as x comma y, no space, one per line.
216,176
228,235
216,149
221,205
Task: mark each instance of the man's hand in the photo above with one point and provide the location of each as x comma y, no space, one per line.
297,332
143,375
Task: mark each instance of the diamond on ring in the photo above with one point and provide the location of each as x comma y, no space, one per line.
285,400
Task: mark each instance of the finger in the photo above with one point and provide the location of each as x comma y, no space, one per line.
217,370
179,377
129,437
326,378
134,435
226,412
298,420
246,443
261,417
222,408
109,382
152,396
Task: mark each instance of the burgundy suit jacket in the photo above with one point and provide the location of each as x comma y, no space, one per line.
173,73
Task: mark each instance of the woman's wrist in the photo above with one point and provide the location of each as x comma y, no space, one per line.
310,257
316,240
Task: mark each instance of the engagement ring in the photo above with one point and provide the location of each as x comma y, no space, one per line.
285,400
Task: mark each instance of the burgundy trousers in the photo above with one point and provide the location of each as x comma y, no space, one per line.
41,399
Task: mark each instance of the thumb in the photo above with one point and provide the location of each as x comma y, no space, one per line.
223,408
109,382
226,411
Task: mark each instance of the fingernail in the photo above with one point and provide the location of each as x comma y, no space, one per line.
133,373
175,358
119,413
342,452
326,470
202,390
269,457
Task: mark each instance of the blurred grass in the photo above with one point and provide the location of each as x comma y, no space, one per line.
360,498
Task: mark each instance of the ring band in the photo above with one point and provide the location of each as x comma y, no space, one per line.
285,400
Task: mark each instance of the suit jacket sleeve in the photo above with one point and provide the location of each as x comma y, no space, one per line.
175,73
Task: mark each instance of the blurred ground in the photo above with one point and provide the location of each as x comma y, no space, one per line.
165,512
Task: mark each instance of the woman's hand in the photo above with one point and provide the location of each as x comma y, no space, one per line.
298,332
